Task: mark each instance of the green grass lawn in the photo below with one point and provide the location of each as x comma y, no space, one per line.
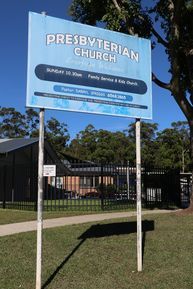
104,256
14,216
8,216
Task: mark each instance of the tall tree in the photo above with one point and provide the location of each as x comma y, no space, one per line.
84,144
148,143
173,146
169,149
32,123
100,145
104,147
183,135
176,22
12,123
57,134
122,148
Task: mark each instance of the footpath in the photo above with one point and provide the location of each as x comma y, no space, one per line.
16,228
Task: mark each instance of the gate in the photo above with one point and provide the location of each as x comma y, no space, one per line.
92,187
161,187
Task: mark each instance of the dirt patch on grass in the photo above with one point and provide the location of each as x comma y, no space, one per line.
185,212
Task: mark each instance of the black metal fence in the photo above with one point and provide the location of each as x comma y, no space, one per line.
18,187
93,187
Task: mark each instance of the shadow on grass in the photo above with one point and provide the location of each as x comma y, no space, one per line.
105,230
51,278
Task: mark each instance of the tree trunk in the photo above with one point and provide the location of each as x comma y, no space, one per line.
191,154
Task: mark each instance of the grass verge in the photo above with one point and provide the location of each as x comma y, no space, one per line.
91,256
8,216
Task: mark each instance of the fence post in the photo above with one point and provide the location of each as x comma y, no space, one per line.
179,188
13,179
102,189
145,185
4,186
189,184
128,185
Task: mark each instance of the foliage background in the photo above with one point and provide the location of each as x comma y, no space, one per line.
167,148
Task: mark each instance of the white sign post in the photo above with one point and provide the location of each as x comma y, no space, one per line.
40,202
138,193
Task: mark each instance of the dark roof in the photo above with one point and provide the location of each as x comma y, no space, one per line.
69,159
9,145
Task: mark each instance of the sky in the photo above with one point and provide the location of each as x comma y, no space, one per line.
13,70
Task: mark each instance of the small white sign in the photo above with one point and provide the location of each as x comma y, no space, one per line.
49,170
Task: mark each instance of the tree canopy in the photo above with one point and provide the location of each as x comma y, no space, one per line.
167,148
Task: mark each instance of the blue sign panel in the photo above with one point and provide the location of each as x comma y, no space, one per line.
77,67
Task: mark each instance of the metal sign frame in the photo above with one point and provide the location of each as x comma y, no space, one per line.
121,94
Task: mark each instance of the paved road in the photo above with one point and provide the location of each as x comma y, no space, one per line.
16,228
